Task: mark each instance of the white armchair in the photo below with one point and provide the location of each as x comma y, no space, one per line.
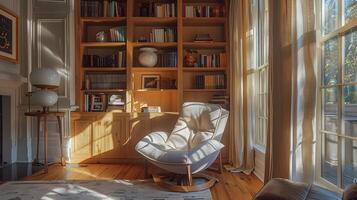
191,147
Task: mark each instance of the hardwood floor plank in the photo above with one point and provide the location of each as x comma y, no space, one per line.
230,186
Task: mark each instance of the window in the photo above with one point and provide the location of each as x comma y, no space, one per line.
338,93
257,76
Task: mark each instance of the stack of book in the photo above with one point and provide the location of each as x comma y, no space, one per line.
94,102
204,11
163,35
117,34
98,81
115,60
213,60
91,9
167,59
114,8
222,100
208,81
151,109
165,10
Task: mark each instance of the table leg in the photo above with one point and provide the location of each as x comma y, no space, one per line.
63,163
36,161
45,143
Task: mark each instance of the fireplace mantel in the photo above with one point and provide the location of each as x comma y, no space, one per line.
10,80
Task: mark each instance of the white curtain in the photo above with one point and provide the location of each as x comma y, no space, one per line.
304,92
241,155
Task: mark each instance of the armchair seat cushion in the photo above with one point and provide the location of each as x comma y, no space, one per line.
154,148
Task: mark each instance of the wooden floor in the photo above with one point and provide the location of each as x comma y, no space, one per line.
231,185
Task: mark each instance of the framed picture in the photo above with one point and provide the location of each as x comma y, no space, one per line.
9,47
150,81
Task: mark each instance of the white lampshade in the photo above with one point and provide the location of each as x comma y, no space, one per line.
44,98
45,78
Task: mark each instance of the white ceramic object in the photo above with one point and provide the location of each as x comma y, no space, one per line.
148,57
45,77
44,98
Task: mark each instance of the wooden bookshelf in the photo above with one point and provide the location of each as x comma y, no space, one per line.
136,26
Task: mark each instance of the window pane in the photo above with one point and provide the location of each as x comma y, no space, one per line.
350,165
330,60
330,159
329,96
350,56
350,9
330,15
350,110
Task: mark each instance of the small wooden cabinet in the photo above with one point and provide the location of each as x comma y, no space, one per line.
111,137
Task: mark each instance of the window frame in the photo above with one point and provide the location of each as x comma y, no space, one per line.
255,68
339,33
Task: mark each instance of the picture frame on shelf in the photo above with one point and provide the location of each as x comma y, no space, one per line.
9,33
150,81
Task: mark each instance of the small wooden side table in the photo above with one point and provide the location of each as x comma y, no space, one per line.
45,116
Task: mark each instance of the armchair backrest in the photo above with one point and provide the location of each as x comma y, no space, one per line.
198,122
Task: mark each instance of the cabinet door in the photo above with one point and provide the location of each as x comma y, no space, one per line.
81,140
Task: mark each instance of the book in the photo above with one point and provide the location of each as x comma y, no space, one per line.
151,109
209,81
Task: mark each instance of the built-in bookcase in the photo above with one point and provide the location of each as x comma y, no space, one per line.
112,66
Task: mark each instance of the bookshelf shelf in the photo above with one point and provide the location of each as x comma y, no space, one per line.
104,90
104,69
154,69
133,21
200,45
103,20
103,44
204,21
205,90
203,69
155,44
158,90
153,21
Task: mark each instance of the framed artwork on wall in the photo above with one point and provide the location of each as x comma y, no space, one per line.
9,34
151,81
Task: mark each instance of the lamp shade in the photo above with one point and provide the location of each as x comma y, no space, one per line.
44,98
45,78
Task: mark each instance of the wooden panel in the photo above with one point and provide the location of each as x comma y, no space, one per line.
81,138
111,137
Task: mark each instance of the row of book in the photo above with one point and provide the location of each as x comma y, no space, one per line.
205,11
165,10
209,81
116,60
106,8
163,35
212,61
97,81
151,9
167,59
117,34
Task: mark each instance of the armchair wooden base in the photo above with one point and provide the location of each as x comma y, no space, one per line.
185,183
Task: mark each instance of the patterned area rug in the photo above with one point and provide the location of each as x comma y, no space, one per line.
90,190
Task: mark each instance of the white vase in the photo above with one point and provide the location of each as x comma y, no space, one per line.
44,98
148,57
45,77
